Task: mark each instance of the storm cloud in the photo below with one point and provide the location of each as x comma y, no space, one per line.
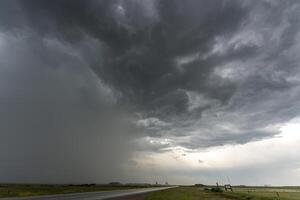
86,85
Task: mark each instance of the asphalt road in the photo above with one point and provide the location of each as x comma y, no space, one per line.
90,195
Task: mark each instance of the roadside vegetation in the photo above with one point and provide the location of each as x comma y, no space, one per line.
239,193
264,193
21,190
185,193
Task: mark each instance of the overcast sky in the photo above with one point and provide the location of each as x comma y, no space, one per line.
150,90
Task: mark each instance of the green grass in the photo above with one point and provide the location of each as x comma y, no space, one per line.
246,193
19,190
185,193
265,193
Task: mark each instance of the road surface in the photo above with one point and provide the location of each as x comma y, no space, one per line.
90,195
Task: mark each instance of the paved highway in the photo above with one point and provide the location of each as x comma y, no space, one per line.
89,195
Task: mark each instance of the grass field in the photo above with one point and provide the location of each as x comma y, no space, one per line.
179,193
247,193
265,193
19,190
185,193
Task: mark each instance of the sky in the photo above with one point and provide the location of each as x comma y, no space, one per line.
195,91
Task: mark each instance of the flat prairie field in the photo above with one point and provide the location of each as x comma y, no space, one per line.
185,193
22,190
265,193
245,193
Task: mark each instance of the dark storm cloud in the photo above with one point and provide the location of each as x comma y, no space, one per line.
141,46
198,73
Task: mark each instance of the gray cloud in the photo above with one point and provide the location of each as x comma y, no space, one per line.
91,77
59,121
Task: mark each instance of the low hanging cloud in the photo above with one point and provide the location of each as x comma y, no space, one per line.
87,84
